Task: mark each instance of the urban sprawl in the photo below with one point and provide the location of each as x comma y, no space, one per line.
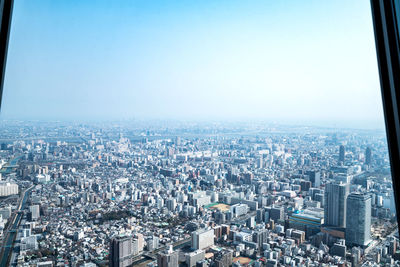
172,194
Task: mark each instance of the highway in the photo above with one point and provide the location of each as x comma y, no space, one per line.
12,229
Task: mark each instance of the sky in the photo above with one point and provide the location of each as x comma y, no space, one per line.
293,61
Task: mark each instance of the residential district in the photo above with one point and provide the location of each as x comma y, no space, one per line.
194,194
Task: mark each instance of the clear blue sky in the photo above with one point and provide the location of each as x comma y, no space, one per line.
274,60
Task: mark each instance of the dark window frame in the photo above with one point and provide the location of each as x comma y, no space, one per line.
6,7
387,40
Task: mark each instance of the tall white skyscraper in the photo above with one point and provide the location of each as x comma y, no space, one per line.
335,204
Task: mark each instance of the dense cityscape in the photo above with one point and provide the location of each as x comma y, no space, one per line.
137,193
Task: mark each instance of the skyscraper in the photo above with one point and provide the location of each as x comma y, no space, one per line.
335,204
358,221
368,156
342,153
121,251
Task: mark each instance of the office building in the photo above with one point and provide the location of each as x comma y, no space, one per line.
171,204
315,178
392,246
368,156
335,204
342,153
35,212
260,237
121,251
153,243
202,239
358,221
239,209
137,244
276,213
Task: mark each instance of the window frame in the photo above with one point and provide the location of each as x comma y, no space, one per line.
387,40
6,7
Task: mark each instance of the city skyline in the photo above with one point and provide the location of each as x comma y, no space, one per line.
198,134
147,194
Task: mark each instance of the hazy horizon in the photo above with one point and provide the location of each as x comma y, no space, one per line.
306,63
153,122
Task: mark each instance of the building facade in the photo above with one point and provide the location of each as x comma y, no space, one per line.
121,252
335,204
358,222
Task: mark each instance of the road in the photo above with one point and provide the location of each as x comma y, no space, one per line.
12,229
377,243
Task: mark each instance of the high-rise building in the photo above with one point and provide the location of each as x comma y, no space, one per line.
342,153
260,162
392,246
260,237
251,222
171,204
335,204
368,156
315,178
153,243
135,247
121,251
35,212
358,221
168,258
276,213
137,244
202,239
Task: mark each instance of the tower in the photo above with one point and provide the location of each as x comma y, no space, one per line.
368,156
358,219
335,204
342,153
